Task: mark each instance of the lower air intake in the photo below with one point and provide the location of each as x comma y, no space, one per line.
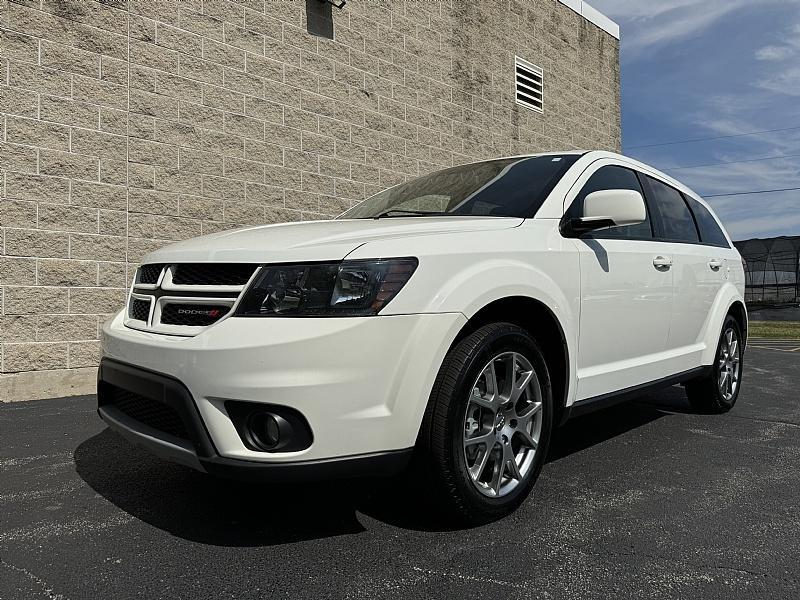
149,412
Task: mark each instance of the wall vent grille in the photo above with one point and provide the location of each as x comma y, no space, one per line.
529,85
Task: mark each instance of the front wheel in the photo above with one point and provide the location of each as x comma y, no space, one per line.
717,391
487,428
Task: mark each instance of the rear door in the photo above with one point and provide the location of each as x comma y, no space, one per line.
626,293
699,272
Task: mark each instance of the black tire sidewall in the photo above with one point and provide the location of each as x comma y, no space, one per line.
508,338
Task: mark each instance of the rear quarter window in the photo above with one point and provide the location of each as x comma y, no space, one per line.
710,231
677,222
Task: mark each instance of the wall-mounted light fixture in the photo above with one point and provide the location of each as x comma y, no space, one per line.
319,16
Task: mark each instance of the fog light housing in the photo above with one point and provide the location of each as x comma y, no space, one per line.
269,427
267,431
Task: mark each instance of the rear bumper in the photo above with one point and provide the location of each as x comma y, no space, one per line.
196,449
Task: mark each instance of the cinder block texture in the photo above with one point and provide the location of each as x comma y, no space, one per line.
128,124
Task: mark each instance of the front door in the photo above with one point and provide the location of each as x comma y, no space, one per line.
626,295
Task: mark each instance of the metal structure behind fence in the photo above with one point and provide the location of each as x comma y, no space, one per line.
772,272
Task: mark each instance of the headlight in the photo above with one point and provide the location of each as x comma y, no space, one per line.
342,289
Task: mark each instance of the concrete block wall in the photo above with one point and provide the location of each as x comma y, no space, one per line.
128,124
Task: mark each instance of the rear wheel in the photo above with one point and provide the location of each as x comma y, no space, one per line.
717,392
487,427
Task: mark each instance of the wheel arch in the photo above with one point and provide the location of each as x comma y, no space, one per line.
738,311
544,326
729,301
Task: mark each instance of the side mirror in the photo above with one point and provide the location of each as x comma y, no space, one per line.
607,208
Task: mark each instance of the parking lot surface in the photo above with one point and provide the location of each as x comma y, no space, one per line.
643,500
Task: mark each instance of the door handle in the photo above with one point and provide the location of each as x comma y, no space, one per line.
715,264
662,263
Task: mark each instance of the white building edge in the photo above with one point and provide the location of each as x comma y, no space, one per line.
593,15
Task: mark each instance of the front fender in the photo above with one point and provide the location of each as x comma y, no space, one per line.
481,284
463,273
469,289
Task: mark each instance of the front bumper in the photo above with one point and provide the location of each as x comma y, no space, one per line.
196,450
361,383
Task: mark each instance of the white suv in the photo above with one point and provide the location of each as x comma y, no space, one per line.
457,317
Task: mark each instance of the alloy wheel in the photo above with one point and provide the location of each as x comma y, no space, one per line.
502,424
728,365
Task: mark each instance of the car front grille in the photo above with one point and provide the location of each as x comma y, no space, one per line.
212,274
151,413
149,274
192,315
139,309
182,299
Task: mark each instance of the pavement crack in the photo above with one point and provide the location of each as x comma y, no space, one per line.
40,583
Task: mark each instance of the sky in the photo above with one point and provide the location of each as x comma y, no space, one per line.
708,68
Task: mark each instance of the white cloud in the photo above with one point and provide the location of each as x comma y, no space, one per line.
788,48
663,22
786,81
637,9
775,53
784,78
648,25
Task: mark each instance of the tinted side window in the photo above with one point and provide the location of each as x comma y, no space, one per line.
676,219
710,232
613,178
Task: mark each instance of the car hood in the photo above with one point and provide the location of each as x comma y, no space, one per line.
315,240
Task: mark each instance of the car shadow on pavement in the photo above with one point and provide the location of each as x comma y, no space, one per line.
583,432
219,512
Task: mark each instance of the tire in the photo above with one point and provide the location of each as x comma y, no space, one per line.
447,448
717,391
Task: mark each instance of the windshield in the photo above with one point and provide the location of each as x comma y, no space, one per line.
509,187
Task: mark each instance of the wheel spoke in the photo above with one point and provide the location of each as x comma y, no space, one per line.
527,438
521,385
487,438
476,470
487,403
497,476
733,348
531,411
511,462
723,377
491,400
510,374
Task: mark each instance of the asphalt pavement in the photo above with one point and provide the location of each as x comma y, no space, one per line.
643,500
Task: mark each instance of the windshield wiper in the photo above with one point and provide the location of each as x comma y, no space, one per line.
399,212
